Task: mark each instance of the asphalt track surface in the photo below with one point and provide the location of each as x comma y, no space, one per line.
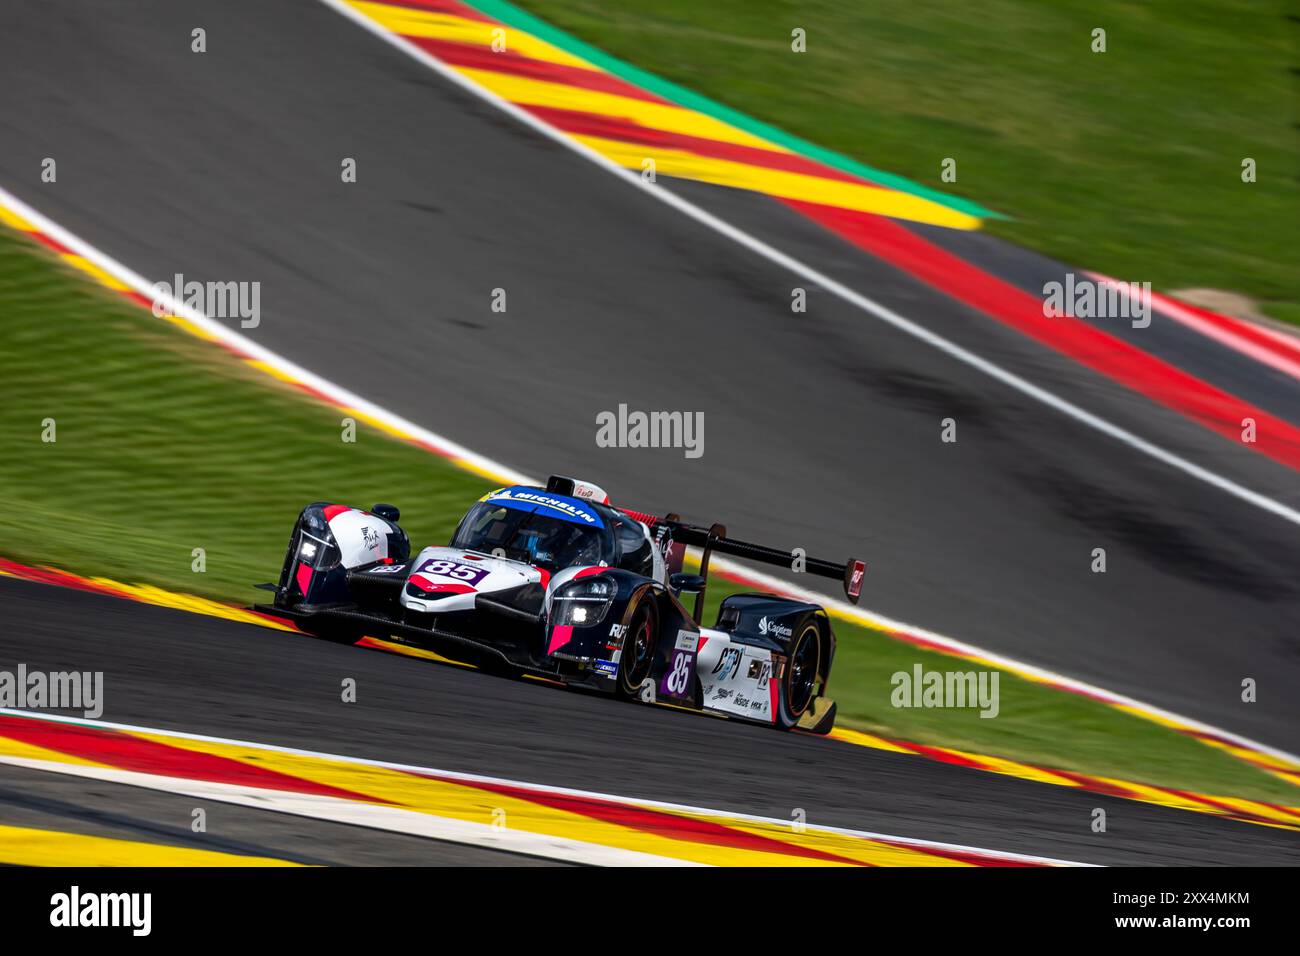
822,430
173,671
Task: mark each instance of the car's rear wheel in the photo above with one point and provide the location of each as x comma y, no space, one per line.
799,682
637,658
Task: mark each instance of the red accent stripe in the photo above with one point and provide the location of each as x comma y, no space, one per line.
561,634
650,520
1117,359
438,587
303,577
474,57
580,123
128,752
331,511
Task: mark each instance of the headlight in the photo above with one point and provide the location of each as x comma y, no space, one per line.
307,551
582,603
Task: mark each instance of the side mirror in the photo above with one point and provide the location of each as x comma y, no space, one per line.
690,583
387,512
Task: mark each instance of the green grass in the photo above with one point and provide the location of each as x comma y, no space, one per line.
165,444
1128,161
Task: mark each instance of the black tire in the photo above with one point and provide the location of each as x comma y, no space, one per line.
799,682
637,660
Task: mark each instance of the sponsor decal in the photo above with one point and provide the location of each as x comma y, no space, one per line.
773,629
609,668
566,507
759,672
855,578
728,663
687,641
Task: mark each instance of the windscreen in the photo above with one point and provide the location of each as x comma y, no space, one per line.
550,543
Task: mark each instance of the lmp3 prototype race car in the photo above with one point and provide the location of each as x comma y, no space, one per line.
554,582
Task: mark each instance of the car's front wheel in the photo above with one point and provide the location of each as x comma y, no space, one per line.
637,658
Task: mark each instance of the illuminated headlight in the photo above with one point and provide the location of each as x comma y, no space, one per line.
308,551
582,603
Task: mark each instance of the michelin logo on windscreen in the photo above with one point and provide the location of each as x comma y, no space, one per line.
546,501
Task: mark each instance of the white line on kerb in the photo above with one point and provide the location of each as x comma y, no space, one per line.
475,778
341,396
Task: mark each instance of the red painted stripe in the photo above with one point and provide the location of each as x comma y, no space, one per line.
1226,808
442,6
51,243
1289,347
474,57
128,752
58,578
579,123
1127,364
659,822
332,511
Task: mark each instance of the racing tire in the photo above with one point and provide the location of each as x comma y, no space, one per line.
799,682
637,660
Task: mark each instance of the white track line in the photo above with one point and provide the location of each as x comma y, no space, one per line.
142,779
343,397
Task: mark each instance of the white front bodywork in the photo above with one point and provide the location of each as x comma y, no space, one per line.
362,538
463,574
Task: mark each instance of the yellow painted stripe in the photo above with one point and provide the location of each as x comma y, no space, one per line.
374,422
531,92
776,182
444,26
88,267
148,594
9,747
407,651
191,328
479,470
1284,816
21,846
10,218
860,739
863,850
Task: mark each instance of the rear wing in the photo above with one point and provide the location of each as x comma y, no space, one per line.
672,536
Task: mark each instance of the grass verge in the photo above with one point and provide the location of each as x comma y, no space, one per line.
166,444
1127,161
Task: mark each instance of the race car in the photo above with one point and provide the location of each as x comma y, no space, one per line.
555,582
